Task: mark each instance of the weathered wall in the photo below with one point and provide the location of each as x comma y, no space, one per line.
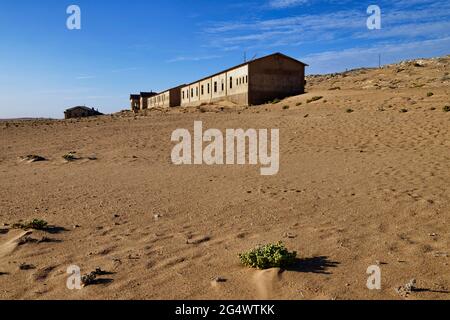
231,85
144,103
237,85
168,99
275,77
135,104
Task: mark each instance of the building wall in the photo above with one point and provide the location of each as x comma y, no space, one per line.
237,85
168,99
135,104
206,91
231,85
275,78
144,104
79,113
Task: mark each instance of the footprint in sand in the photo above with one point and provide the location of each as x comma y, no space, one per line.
10,241
267,283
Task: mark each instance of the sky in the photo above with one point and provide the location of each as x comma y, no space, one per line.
130,46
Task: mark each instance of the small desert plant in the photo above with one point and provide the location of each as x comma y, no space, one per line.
36,224
275,101
285,107
349,110
404,110
446,109
335,88
430,94
299,104
268,256
70,156
313,99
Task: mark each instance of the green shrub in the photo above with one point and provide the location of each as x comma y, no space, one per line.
349,111
446,109
36,224
285,107
317,98
268,256
275,101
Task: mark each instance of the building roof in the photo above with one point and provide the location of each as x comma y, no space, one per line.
84,108
148,94
180,86
135,96
249,62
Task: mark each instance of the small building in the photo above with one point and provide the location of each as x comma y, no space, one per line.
144,99
135,102
167,99
275,76
81,112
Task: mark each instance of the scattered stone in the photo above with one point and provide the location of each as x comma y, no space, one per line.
289,235
156,216
220,280
407,289
32,158
25,267
199,240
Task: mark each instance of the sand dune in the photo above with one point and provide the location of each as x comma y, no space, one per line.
363,180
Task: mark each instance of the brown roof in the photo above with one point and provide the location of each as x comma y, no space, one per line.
148,94
84,108
249,62
135,96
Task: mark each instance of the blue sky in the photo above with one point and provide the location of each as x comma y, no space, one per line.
139,45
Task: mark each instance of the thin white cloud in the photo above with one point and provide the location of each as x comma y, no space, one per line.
198,58
282,4
430,21
85,77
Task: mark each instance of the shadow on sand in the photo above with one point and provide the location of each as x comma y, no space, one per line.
313,265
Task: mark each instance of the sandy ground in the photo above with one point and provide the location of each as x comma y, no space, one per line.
354,189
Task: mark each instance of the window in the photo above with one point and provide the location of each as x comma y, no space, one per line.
183,95
203,90
223,87
246,79
231,82
215,86
196,91
208,88
237,81
192,93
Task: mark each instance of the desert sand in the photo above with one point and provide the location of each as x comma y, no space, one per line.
364,180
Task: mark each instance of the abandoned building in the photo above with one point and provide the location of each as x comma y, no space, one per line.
258,81
276,76
167,99
135,101
81,112
144,96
